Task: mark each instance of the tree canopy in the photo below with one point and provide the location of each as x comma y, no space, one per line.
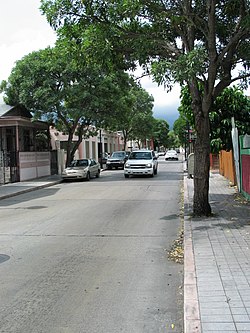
191,42
230,103
161,131
71,95
177,37
180,128
135,116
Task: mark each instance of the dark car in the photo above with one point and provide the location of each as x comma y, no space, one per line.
117,160
103,159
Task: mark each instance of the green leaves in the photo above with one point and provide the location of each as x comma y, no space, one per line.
160,133
134,117
182,40
70,92
179,128
230,103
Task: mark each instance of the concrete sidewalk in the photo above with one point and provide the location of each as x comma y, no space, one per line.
13,189
217,262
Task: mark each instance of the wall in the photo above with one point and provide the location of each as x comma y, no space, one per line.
34,165
214,162
245,165
89,147
227,168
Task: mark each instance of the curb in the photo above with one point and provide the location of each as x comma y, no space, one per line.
192,321
10,195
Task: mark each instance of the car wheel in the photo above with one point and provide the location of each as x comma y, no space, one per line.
88,176
126,176
155,171
98,174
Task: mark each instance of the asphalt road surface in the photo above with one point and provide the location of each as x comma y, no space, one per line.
91,257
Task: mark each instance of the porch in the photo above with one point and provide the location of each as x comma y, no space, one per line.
24,145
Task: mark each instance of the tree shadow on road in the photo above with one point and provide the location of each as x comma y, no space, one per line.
24,197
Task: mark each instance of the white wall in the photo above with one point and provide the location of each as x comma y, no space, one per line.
34,165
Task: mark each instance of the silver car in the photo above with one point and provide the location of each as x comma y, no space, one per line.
82,169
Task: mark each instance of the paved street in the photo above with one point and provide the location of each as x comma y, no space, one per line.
92,256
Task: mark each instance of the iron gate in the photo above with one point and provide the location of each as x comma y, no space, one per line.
54,162
9,171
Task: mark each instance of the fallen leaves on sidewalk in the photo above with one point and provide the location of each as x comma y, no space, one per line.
241,199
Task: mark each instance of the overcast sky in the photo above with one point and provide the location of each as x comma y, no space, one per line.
23,29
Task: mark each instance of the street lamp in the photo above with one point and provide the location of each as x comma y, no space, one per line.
118,141
100,147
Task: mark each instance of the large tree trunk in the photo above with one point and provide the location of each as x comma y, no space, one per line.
201,206
68,149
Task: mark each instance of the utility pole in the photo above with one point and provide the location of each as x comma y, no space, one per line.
100,147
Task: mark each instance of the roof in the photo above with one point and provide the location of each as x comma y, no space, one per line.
14,111
4,108
18,115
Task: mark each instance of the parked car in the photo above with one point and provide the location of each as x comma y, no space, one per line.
117,160
141,162
82,169
161,153
103,158
171,155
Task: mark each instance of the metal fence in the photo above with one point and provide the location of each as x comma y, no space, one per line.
9,171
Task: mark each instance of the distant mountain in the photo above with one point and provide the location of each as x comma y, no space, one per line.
168,113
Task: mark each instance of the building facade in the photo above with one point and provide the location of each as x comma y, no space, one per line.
24,145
